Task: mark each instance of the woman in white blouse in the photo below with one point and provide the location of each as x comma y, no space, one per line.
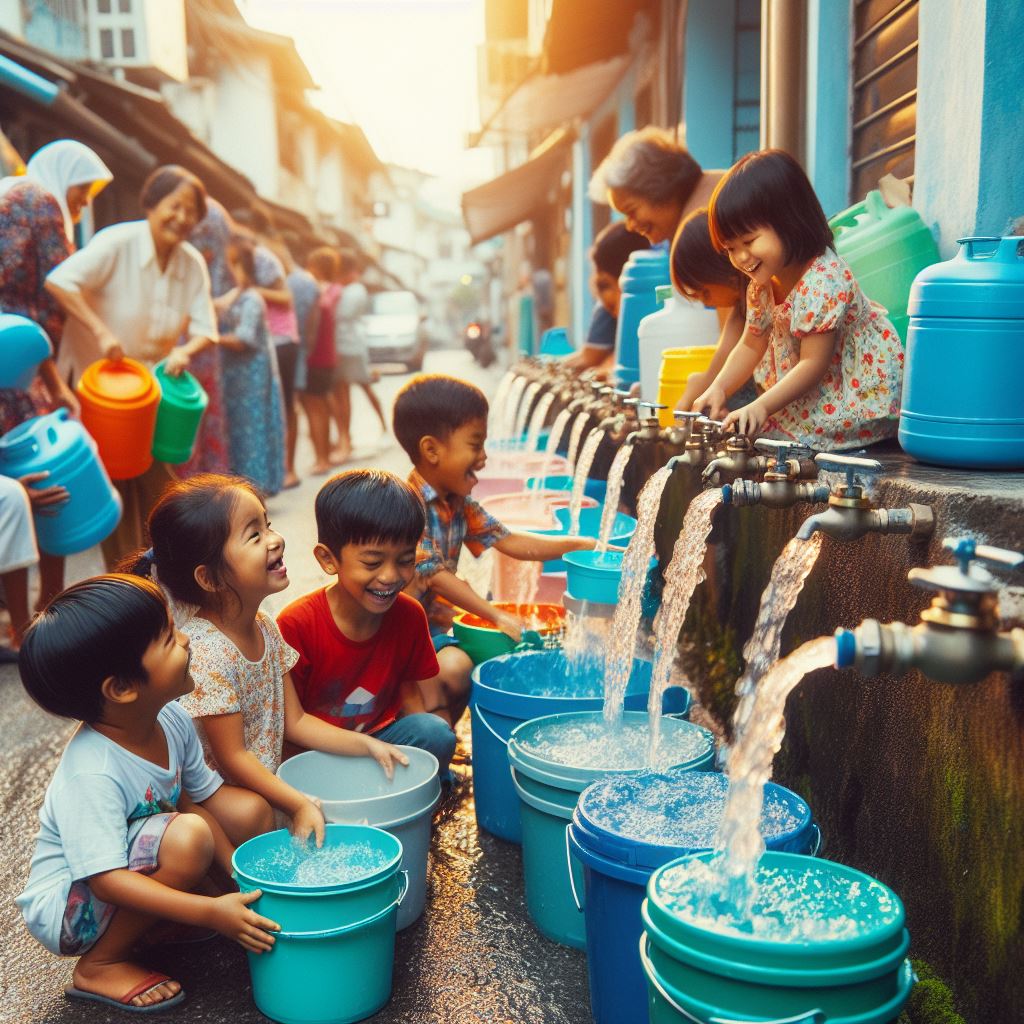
135,290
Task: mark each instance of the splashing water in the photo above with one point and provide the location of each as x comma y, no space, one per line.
511,410
611,499
525,582
585,640
579,478
576,435
498,410
537,418
551,448
626,623
523,412
761,725
684,572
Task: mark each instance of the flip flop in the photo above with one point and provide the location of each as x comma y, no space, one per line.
125,1002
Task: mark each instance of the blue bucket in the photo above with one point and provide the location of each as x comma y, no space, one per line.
617,864
514,688
623,528
549,786
332,960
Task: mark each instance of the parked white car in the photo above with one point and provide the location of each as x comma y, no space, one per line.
392,329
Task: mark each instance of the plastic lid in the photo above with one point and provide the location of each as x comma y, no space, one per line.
664,292
182,390
985,280
118,383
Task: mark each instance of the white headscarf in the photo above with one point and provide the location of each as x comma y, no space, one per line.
59,166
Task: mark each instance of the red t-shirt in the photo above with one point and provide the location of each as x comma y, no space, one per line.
356,684
322,356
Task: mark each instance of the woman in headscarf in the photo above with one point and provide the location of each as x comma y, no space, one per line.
134,290
38,213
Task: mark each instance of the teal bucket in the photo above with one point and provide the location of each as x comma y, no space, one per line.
355,790
549,787
332,960
701,972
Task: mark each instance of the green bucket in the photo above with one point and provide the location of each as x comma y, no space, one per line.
182,404
549,788
332,960
790,968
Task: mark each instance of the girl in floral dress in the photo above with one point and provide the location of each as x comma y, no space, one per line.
826,360
252,391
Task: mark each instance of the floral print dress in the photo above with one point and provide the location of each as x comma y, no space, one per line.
857,402
252,395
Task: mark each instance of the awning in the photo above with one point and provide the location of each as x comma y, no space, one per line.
580,32
544,102
502,203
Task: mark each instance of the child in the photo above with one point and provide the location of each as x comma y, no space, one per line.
121,846
826,360
608,254
252,391
213,549
363,646
441,422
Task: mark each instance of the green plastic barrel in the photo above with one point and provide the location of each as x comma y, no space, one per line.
885,247
182,404
833,952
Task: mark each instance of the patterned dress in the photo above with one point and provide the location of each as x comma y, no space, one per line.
252,395
857,402
32,243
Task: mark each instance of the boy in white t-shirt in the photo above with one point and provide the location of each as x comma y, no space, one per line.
133,819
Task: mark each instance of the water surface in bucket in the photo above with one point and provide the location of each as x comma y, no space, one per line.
302,864
684,811
814,904
593,743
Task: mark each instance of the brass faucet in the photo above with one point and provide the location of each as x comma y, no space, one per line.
851,514
618,424
701,442
649,429
784,483
735,460
957,639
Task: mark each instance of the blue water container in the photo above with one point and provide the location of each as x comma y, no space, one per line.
644,271
23,346
962,402
604,836
61,447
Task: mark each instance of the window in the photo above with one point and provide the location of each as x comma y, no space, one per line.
107,43
127,42
884,92
103,6
124,6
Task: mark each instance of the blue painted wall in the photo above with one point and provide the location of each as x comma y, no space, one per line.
708,81
582,236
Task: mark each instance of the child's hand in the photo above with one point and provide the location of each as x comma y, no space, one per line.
582,543
307,820
510,625
387,755
748,420
231,917
712,401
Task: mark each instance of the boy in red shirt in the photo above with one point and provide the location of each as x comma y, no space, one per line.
363,645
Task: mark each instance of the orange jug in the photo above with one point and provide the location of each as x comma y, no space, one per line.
119,406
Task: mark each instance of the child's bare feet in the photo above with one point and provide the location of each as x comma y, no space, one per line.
116,980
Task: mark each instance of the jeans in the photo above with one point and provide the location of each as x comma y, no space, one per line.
423,730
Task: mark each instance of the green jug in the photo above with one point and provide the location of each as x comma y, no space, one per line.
885,247
182,404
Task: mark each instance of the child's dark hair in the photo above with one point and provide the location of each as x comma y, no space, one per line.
434,405
770,189
361,506
244,249
97,628
696,263
189,527
613,246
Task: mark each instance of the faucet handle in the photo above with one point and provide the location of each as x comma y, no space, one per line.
783,450
654,408
620,396
848,464
687,415
966,549
968,576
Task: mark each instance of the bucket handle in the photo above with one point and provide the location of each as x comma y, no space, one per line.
806,1017
330,933
568,865
816,828
490,728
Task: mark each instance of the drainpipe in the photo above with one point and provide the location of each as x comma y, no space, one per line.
783,83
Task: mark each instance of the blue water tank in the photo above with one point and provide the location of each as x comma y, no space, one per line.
644,271
962,399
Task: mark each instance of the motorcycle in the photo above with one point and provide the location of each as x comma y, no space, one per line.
477,339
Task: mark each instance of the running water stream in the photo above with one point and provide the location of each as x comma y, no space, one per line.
576,435
635,563
551,448
511,409
519,427
611,499
579,478
684,572
537,418
498,406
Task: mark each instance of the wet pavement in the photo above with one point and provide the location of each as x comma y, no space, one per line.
473,957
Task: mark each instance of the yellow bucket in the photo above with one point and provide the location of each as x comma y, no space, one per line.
676,366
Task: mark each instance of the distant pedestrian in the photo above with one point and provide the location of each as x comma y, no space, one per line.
322,359
252,390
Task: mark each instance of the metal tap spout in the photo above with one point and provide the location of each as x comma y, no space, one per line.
774,493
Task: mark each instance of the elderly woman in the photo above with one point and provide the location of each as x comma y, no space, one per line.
653,182
38,213
134,290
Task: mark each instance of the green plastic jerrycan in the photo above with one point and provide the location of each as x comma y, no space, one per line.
886,247
182,404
